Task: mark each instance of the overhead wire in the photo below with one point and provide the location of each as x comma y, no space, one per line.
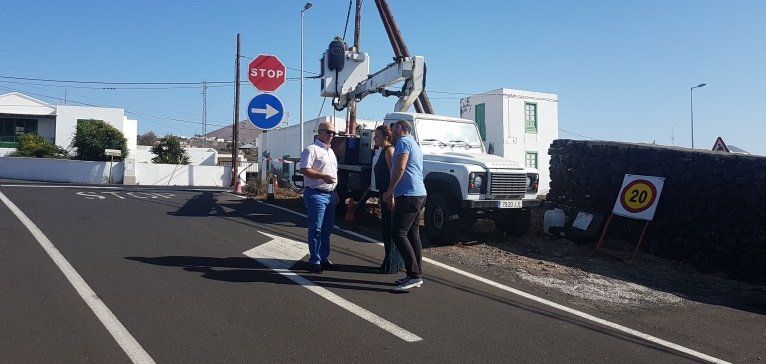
101,88
77,84
348,15
179,85
288,67
126,110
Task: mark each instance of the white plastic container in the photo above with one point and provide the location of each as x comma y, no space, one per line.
553,218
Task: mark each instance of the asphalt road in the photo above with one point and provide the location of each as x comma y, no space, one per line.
169,264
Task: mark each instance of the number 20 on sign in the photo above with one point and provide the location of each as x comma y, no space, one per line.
638,197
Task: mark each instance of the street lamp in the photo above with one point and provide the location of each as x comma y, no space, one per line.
305,7
691,107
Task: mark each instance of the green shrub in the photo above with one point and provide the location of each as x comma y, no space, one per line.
35,146
93,136
170,151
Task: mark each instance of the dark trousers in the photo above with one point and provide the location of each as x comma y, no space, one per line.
406,232
392,261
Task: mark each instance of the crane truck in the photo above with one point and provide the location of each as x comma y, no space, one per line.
463,182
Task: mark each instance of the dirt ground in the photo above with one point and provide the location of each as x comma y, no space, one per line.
577,273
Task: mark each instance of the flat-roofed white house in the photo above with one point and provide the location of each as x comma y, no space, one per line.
518,125
21,114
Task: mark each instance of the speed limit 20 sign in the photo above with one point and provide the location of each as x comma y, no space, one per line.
638,197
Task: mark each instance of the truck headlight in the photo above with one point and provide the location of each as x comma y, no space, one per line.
476,183
533,182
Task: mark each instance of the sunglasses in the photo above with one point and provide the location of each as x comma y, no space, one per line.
329,132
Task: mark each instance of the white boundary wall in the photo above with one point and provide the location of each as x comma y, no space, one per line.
197,156
72,171
59,170
4,152
182,175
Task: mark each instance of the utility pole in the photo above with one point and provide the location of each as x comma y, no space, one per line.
673,135
423,103
235,128
204,114
351,123
691,107
307,6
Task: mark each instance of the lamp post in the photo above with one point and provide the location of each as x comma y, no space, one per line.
691,107
305,7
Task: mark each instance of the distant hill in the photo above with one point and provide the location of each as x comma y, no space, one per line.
247,133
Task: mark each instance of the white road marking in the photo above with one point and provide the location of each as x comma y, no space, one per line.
90,195
281,253
126,188
115,194
127,342
537,299
163,195
135,194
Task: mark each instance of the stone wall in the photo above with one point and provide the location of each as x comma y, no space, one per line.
711,214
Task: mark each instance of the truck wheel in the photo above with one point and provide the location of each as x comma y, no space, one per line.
438,211
514,223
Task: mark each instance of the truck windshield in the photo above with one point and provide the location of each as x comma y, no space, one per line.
448,132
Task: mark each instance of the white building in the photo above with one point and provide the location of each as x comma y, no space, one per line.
21,114
285,141
518,125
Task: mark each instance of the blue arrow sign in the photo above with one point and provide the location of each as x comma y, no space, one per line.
265,111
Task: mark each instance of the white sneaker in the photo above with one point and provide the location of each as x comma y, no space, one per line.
409,283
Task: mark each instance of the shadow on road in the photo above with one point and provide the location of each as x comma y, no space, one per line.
248,270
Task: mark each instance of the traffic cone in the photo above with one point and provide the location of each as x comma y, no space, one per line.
350,207
270,189
276,185
238,186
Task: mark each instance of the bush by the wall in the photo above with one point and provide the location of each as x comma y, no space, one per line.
32,145
93,136
170,151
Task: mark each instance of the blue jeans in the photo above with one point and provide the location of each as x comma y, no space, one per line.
320,208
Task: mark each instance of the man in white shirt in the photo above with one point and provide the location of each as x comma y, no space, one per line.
320,170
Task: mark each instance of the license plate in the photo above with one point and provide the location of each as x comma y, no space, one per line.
513,204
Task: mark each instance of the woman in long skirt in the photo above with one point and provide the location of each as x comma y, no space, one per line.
393,261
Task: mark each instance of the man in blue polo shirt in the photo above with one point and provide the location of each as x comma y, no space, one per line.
407,193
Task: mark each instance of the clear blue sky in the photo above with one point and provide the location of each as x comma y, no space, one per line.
622,70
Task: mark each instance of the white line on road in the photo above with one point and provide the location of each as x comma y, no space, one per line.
281,253
537,299
137,189
127,342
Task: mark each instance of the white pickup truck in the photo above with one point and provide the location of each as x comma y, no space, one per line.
463,181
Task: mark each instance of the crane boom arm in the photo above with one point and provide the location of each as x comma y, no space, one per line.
410,70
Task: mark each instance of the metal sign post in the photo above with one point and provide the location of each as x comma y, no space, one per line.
112,153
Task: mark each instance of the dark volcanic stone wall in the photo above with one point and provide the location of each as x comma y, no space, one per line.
711,214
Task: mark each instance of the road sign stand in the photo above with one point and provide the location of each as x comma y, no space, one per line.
112,153
638,199
603,236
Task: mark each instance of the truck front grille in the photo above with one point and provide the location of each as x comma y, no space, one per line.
508,185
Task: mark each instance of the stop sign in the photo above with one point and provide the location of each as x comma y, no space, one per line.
266,73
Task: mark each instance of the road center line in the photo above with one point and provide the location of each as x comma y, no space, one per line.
127,342
583,315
